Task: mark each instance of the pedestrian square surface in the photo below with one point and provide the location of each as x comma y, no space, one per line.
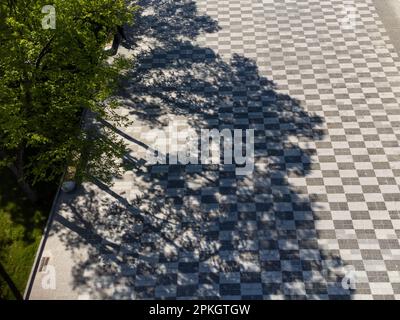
317,218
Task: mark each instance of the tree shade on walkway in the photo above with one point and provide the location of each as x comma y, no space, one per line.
321,204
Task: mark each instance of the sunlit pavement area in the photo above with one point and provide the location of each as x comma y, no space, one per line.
318,218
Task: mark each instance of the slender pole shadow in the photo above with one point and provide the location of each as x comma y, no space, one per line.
10,283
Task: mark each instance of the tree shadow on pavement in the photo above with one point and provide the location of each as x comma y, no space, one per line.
202,231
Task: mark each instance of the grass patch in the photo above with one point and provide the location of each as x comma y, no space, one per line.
21,229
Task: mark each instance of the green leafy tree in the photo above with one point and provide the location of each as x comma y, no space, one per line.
48,77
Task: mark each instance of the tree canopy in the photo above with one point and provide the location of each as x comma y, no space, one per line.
48,77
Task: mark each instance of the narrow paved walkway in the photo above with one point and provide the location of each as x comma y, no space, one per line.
318,218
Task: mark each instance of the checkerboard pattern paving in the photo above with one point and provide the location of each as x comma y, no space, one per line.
318,218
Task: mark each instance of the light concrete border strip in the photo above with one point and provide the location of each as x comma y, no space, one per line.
42,244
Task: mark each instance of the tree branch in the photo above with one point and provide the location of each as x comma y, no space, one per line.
45,50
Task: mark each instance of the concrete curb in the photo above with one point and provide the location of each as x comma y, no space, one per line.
42,244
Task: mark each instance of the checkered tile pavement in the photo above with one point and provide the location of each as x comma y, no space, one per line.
317,219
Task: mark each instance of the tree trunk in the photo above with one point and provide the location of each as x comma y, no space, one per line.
116,43
25,187
18,170
118,37
29,192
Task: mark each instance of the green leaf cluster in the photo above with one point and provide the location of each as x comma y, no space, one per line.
48,77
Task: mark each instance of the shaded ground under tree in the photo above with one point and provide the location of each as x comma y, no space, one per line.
201,230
